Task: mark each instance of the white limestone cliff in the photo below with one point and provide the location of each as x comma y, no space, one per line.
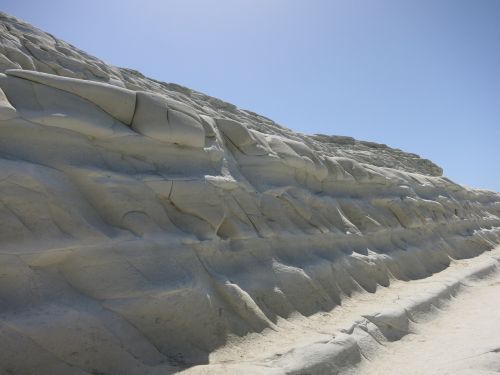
144,225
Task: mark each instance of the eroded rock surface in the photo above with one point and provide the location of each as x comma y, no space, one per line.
143,224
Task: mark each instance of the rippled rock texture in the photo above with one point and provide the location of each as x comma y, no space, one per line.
143,224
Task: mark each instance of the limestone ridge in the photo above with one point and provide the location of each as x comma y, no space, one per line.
144,224
24,47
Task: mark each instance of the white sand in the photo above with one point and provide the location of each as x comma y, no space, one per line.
463,339
460,319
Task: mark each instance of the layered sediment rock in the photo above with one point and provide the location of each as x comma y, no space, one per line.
143,224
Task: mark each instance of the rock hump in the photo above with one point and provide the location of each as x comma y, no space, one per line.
146,227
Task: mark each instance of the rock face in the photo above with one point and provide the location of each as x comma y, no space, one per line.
143,224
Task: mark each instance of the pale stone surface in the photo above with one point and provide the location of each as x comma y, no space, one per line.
146,228
463,339
118,102
156,117
7,111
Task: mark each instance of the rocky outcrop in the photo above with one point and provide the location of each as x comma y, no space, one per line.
144,224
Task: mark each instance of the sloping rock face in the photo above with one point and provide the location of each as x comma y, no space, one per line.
143,224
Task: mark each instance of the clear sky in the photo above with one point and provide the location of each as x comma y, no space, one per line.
420,75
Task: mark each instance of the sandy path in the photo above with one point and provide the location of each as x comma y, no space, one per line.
300,331
463,339
462,334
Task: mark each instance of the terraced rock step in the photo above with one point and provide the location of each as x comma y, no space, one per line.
463,339
147,228
443,324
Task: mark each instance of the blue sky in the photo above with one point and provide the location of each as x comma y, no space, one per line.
420,75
